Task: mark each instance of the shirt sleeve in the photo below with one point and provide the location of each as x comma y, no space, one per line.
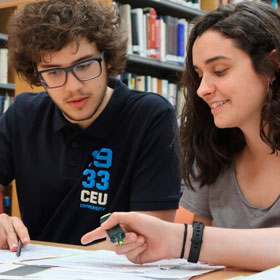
156,180
197,201
6,153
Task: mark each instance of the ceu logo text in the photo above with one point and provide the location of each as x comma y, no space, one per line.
94,194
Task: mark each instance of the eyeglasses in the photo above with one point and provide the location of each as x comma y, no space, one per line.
83,71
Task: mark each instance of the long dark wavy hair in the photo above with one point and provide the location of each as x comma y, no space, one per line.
255,29
48,26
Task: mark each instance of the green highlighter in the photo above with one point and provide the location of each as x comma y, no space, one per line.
116,234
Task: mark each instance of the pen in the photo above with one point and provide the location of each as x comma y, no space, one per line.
19,248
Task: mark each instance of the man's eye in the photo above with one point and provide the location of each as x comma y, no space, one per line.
83,66
54,73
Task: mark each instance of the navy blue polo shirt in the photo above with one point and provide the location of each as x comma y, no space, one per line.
67,178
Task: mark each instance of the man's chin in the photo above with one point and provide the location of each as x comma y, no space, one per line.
83,117
78,119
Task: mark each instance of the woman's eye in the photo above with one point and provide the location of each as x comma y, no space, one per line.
199,75
220,72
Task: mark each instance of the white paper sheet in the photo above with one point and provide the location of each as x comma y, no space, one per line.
100,265
67,273
271,274
32,251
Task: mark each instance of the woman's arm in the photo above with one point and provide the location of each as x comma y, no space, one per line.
254,249
150,239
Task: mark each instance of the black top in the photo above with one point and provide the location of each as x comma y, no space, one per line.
67,178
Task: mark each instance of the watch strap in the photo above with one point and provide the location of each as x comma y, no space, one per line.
196,241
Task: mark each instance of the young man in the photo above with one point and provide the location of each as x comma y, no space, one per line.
89,145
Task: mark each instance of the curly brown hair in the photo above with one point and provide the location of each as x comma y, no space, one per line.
47,27
255,29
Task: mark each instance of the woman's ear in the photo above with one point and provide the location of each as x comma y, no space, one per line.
275,58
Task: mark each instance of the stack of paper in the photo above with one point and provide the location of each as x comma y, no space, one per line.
47,262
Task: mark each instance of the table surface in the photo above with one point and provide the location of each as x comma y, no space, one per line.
216,275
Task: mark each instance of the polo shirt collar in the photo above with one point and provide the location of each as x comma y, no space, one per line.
59,122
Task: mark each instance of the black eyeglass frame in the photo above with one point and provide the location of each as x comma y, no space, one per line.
70,69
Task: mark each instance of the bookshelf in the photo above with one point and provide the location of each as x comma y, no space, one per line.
158,32
3,86
166,7
3,37
7,86
145,66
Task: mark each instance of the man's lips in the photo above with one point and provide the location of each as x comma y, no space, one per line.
78,103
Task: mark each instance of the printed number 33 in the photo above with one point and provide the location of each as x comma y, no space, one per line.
102,159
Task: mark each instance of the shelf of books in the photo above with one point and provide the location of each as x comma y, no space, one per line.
179,8
6,98
169,90
157,33
3,37
154,65
6,88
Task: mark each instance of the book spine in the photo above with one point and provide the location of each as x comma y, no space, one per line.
163,41
169,36
3,65
137,22
134,33
152,33
7,102
1,104
181,40
125,11
158,37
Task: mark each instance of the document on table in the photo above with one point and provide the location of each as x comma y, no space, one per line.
47,262
31,252
271,274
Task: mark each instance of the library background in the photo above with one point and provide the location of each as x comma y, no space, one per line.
158,32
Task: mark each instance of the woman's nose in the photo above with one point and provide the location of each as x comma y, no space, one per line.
205,88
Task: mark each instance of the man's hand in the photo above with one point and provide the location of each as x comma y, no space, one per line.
11,230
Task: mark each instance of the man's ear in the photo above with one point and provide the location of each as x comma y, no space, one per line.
108,65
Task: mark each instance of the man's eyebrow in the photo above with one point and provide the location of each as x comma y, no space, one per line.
72,63
213,59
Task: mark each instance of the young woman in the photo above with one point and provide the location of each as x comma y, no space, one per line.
230,136
230,125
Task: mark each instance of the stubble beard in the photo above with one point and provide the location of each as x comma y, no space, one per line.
90,115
